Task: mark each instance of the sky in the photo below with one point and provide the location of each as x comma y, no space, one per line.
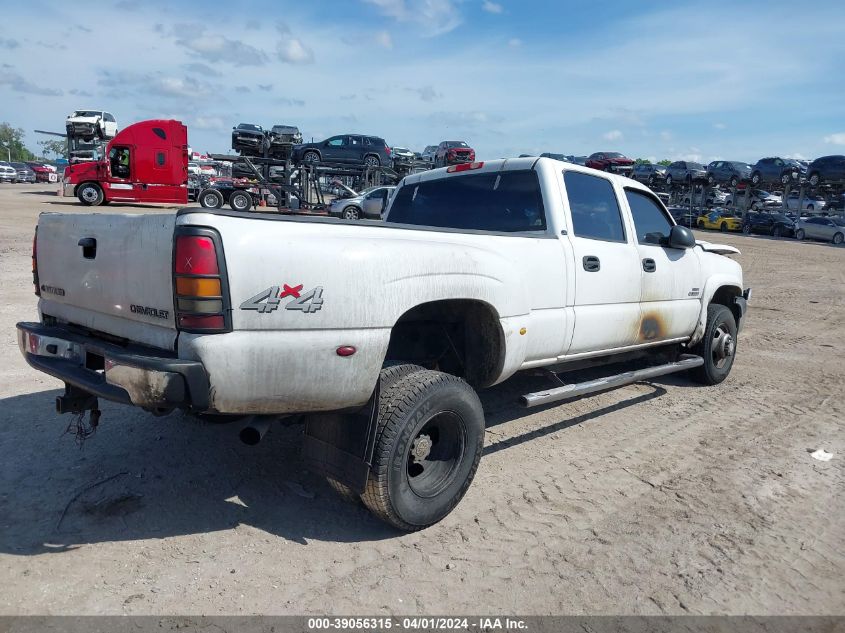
684,81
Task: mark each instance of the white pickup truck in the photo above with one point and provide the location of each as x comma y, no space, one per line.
376,334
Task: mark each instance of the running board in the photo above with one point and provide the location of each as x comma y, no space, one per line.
687,361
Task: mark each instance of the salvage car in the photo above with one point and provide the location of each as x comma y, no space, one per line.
43,173
7,172
729,172
827,169
684,171
711,197
428,153
827,229
370,203
356,149
649,173
810,203
775,170
774,224
610,161
249,138
402,157
25,172
91,124
282,139
479,270
720,220
453,153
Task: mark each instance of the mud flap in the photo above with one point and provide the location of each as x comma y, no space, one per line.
340,445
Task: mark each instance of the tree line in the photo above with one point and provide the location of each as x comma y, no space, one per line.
13,149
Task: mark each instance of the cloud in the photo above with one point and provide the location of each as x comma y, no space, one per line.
80,93
835,139
291,102
208,123
612,135
426,93
293,51
18,84
514,42
665,135
435,17
217,48
121,83
492,7
9,43
719,126
202,69
383,39
265,87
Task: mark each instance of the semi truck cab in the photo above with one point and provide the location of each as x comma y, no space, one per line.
146,162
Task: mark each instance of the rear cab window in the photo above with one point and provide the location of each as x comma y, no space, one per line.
499,202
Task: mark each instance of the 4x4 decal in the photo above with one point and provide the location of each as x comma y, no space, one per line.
271,298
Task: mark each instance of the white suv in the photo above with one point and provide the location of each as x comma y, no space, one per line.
91,123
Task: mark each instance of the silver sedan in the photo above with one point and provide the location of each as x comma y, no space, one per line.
827,229
370,203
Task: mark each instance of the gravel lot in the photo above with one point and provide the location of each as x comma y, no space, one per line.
661,497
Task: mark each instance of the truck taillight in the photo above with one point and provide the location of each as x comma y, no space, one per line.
35,262
200,294
464,167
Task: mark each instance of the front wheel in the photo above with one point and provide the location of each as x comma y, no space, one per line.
755,178
90,194
429,442
746,228
838,238
734,182
668,181
718,347
785,178
723,227
372,161
311,157
351,213
210,199
799,234
701,225
813,180
777,231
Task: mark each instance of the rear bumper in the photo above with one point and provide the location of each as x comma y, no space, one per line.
135,375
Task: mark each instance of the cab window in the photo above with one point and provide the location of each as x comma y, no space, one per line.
650,221
594,208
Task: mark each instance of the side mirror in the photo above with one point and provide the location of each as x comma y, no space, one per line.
681,237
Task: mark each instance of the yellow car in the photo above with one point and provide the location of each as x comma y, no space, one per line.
721,220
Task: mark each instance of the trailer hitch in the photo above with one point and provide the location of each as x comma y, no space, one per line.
78,401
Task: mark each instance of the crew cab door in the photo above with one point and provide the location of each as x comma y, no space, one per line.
671,277
607,269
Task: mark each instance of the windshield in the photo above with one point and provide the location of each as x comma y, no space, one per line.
249,126
86,113
456,144
614,155
838,221
404,150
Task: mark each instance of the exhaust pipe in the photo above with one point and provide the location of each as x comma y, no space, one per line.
254,430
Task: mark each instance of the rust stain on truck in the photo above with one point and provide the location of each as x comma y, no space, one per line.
652,326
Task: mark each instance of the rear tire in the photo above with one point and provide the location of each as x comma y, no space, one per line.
311,157
372,161
351,213
428,445
210,199
813,180
799,234
838,238
755,178
717,347
723,227
240,201
777,231
90,194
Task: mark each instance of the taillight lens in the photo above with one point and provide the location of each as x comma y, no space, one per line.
387,149
202,303
35,262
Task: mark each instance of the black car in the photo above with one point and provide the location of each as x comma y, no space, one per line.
684,217
685,171
356,149
776,224
729,172
282,138
648,173
249,138
775,169
827,169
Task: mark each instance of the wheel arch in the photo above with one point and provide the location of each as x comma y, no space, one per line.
463,337
722,290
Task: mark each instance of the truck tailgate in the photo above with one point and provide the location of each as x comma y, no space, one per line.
110,273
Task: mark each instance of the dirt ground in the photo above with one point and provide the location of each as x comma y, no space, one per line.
660,497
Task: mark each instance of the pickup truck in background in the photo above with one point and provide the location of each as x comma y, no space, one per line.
377,335
145,162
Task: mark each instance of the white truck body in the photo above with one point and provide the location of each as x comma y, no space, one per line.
548,307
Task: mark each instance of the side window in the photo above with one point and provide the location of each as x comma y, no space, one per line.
160,133
594,208
650,222
337,141
161,158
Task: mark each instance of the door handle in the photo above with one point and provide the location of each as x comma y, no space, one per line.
591,263
648,265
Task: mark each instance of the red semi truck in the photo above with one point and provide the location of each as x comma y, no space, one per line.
145,162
